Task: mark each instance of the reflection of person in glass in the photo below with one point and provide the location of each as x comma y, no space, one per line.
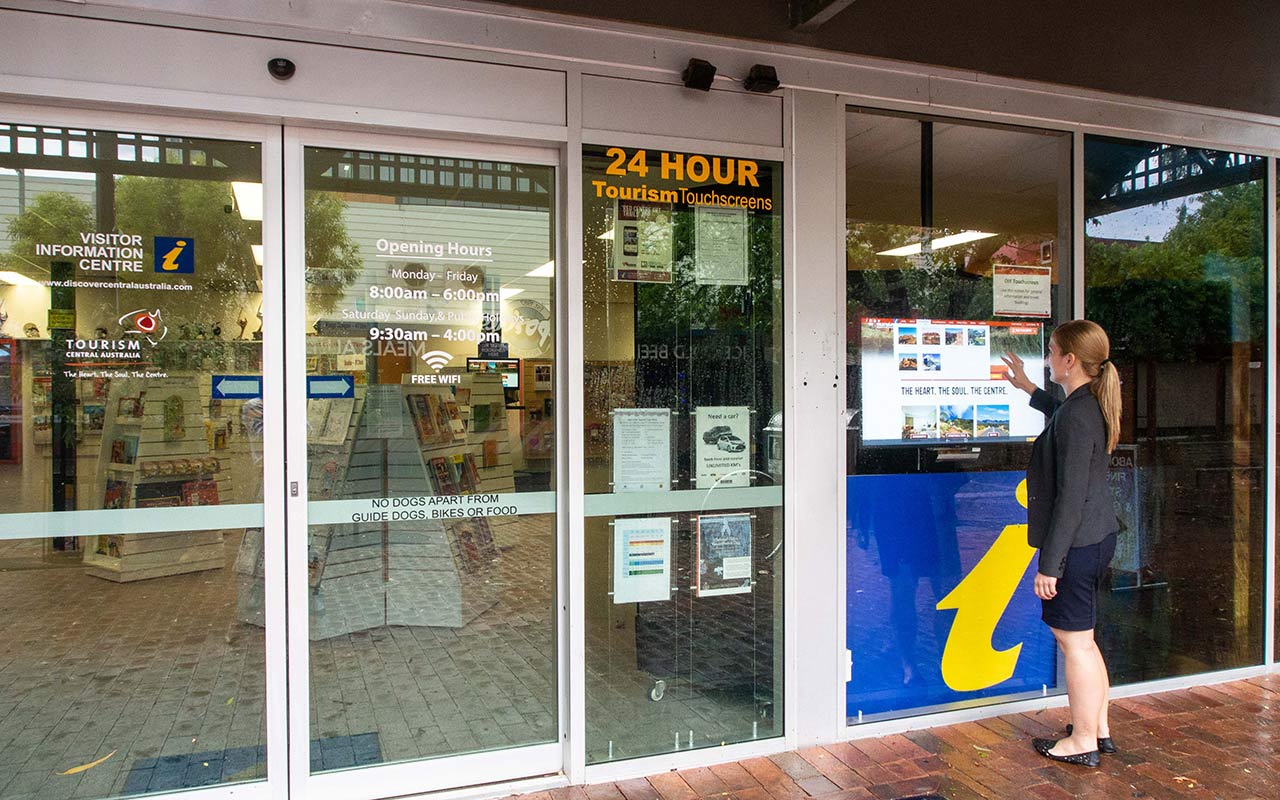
916,542
1071,519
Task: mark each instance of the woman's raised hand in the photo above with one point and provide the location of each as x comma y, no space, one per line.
1016,373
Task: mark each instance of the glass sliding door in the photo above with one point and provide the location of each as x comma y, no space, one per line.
133,613
430,403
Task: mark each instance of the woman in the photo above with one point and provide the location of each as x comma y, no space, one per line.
1071,519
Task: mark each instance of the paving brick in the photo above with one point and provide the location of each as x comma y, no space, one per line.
672,787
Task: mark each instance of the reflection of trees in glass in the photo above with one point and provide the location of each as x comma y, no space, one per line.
908,286
332,258
50,217
730,336
199,209
1172,300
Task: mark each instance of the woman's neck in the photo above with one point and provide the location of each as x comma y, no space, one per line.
1074,382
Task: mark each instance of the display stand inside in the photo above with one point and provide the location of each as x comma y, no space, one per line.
406,441
154,454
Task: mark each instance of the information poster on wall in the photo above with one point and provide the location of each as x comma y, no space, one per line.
641,449
641,560
1123,477
720,246
932,381
724,554
1021,290
642,234
723,457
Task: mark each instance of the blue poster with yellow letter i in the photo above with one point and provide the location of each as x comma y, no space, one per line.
939,605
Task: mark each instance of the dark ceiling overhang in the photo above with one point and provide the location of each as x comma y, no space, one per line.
1219,57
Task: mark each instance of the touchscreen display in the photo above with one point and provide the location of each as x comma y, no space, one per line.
928,381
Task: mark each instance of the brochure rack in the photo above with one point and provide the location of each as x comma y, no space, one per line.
415,442
155,453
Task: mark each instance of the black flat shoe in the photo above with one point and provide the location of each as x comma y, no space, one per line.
1105,745
1043,746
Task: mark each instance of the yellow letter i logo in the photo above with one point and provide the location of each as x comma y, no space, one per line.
969,661
170,262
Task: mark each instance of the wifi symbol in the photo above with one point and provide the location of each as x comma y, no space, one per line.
436,358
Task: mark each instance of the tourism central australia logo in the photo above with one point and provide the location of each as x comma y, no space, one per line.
145,324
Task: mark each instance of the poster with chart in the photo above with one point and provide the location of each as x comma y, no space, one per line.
641,559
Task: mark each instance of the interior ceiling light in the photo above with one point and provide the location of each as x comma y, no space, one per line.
505,292
607,235
257,253
962,237
248,200
17,279
547,270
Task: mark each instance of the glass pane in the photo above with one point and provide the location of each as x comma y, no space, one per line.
132,653
683,397
1176,273
957,250
431,463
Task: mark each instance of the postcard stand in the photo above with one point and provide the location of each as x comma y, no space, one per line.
412,572
155,453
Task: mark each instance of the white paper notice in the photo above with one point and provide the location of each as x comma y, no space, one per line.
641,449
1020,291
641,560
723,446
720,246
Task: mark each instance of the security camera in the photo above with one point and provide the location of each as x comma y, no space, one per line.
281,68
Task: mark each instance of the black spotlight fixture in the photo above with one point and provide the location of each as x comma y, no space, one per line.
699,74
761,78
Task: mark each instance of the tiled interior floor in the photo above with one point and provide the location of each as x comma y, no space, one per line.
160,685
1220,741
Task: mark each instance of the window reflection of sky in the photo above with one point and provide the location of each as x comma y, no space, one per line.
1144,223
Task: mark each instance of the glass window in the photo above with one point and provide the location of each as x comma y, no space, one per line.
131,637
431,461
1176,273
683,390
958,249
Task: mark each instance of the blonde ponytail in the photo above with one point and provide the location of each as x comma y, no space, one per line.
1106,387
1092,348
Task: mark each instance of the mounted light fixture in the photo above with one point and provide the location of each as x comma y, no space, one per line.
963,237
761,78
699,74
248,200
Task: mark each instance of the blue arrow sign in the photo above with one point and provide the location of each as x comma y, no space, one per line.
236,387
319,386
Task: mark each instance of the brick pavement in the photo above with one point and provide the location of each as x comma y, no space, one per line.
1220,741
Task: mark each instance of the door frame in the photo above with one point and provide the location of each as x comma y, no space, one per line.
276,785
432,774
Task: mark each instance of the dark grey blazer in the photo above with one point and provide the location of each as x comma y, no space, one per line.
1069,503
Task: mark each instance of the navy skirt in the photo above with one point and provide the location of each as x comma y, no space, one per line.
1075,607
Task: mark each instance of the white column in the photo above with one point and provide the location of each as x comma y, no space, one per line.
814,287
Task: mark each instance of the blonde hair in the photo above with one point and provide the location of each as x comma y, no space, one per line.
1091,347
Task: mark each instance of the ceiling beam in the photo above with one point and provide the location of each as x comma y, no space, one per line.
809,15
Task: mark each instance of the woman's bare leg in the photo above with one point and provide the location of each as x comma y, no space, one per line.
1086,690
